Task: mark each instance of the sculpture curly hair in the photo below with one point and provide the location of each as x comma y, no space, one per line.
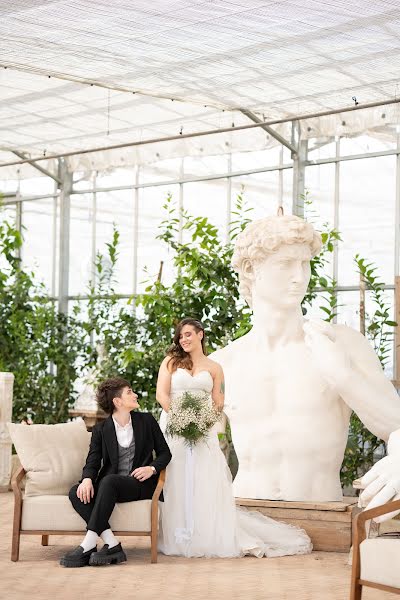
263,237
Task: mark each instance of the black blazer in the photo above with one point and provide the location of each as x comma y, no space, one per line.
102,458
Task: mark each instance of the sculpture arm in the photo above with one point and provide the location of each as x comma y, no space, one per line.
364,387
348,363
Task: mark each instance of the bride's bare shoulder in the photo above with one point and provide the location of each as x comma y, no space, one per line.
213,366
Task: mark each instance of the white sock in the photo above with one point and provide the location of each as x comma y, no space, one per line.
109,538
89,541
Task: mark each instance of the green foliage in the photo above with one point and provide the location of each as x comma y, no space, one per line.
39,345
136,336
379,326
47,351
321,286
363,448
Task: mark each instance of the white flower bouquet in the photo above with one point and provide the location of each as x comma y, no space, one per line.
191,416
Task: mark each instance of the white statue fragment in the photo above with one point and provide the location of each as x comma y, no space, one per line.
291,384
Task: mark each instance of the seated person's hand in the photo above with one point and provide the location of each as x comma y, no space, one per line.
143,473
85,491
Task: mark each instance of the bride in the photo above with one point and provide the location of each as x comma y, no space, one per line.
198,515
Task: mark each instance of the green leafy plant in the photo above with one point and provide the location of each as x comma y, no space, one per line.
321,286
37,343
363,448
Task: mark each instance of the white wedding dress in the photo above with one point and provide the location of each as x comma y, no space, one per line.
198,515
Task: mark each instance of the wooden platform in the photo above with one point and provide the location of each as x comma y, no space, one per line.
327,523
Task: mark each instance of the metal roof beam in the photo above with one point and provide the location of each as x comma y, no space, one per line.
36,166
250,115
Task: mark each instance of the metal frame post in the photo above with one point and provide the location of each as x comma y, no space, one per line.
228,199
135,231
65,215
299,163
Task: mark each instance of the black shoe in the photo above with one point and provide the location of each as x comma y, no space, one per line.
108,556
77,557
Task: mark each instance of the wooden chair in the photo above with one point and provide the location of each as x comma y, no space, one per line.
152,532
375,561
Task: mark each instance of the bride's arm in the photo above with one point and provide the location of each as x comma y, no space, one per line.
164,385
218,391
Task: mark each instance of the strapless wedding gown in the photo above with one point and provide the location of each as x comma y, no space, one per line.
198,515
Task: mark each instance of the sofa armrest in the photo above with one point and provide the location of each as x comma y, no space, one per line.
367,515
160,485
378,511
15,483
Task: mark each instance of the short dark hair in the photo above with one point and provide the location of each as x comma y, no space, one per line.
108,390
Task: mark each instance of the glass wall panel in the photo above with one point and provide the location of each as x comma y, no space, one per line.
151,252
37,186
318,149
115,177
366,216
117,208
39,233
246,161
320,185
162,170
261,192
363,144
80,254
207,199
201,166
8,212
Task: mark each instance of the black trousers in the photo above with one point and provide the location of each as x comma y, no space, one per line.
111,489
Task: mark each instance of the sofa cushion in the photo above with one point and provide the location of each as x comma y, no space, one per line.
55,513
52,455
380,561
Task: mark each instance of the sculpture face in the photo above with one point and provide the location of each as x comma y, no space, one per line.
282,278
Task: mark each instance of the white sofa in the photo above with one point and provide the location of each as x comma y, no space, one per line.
52,457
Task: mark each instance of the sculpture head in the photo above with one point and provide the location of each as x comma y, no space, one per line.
272,256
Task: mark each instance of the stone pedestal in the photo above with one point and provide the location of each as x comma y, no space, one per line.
6,397
91,417
327,523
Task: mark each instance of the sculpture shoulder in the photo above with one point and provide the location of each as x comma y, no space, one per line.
356,345
224,356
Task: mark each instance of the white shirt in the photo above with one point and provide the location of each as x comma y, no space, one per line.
124,434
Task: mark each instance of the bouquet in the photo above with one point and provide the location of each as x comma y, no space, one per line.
190,416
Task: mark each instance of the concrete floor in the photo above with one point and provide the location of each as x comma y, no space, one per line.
37,575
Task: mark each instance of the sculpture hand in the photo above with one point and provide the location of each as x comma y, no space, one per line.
331,359
382,484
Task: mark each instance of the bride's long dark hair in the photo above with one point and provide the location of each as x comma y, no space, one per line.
180,358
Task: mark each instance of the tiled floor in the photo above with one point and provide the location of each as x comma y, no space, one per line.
319,576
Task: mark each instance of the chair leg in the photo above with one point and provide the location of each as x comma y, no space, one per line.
16,537
154,549
356,590
45,540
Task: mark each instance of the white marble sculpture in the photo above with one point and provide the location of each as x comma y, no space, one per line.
86,386
6,398
291,384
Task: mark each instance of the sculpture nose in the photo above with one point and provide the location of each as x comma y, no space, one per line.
297,273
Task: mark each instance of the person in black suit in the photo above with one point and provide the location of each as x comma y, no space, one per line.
120,467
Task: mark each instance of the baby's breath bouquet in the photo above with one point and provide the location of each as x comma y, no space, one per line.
190,416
